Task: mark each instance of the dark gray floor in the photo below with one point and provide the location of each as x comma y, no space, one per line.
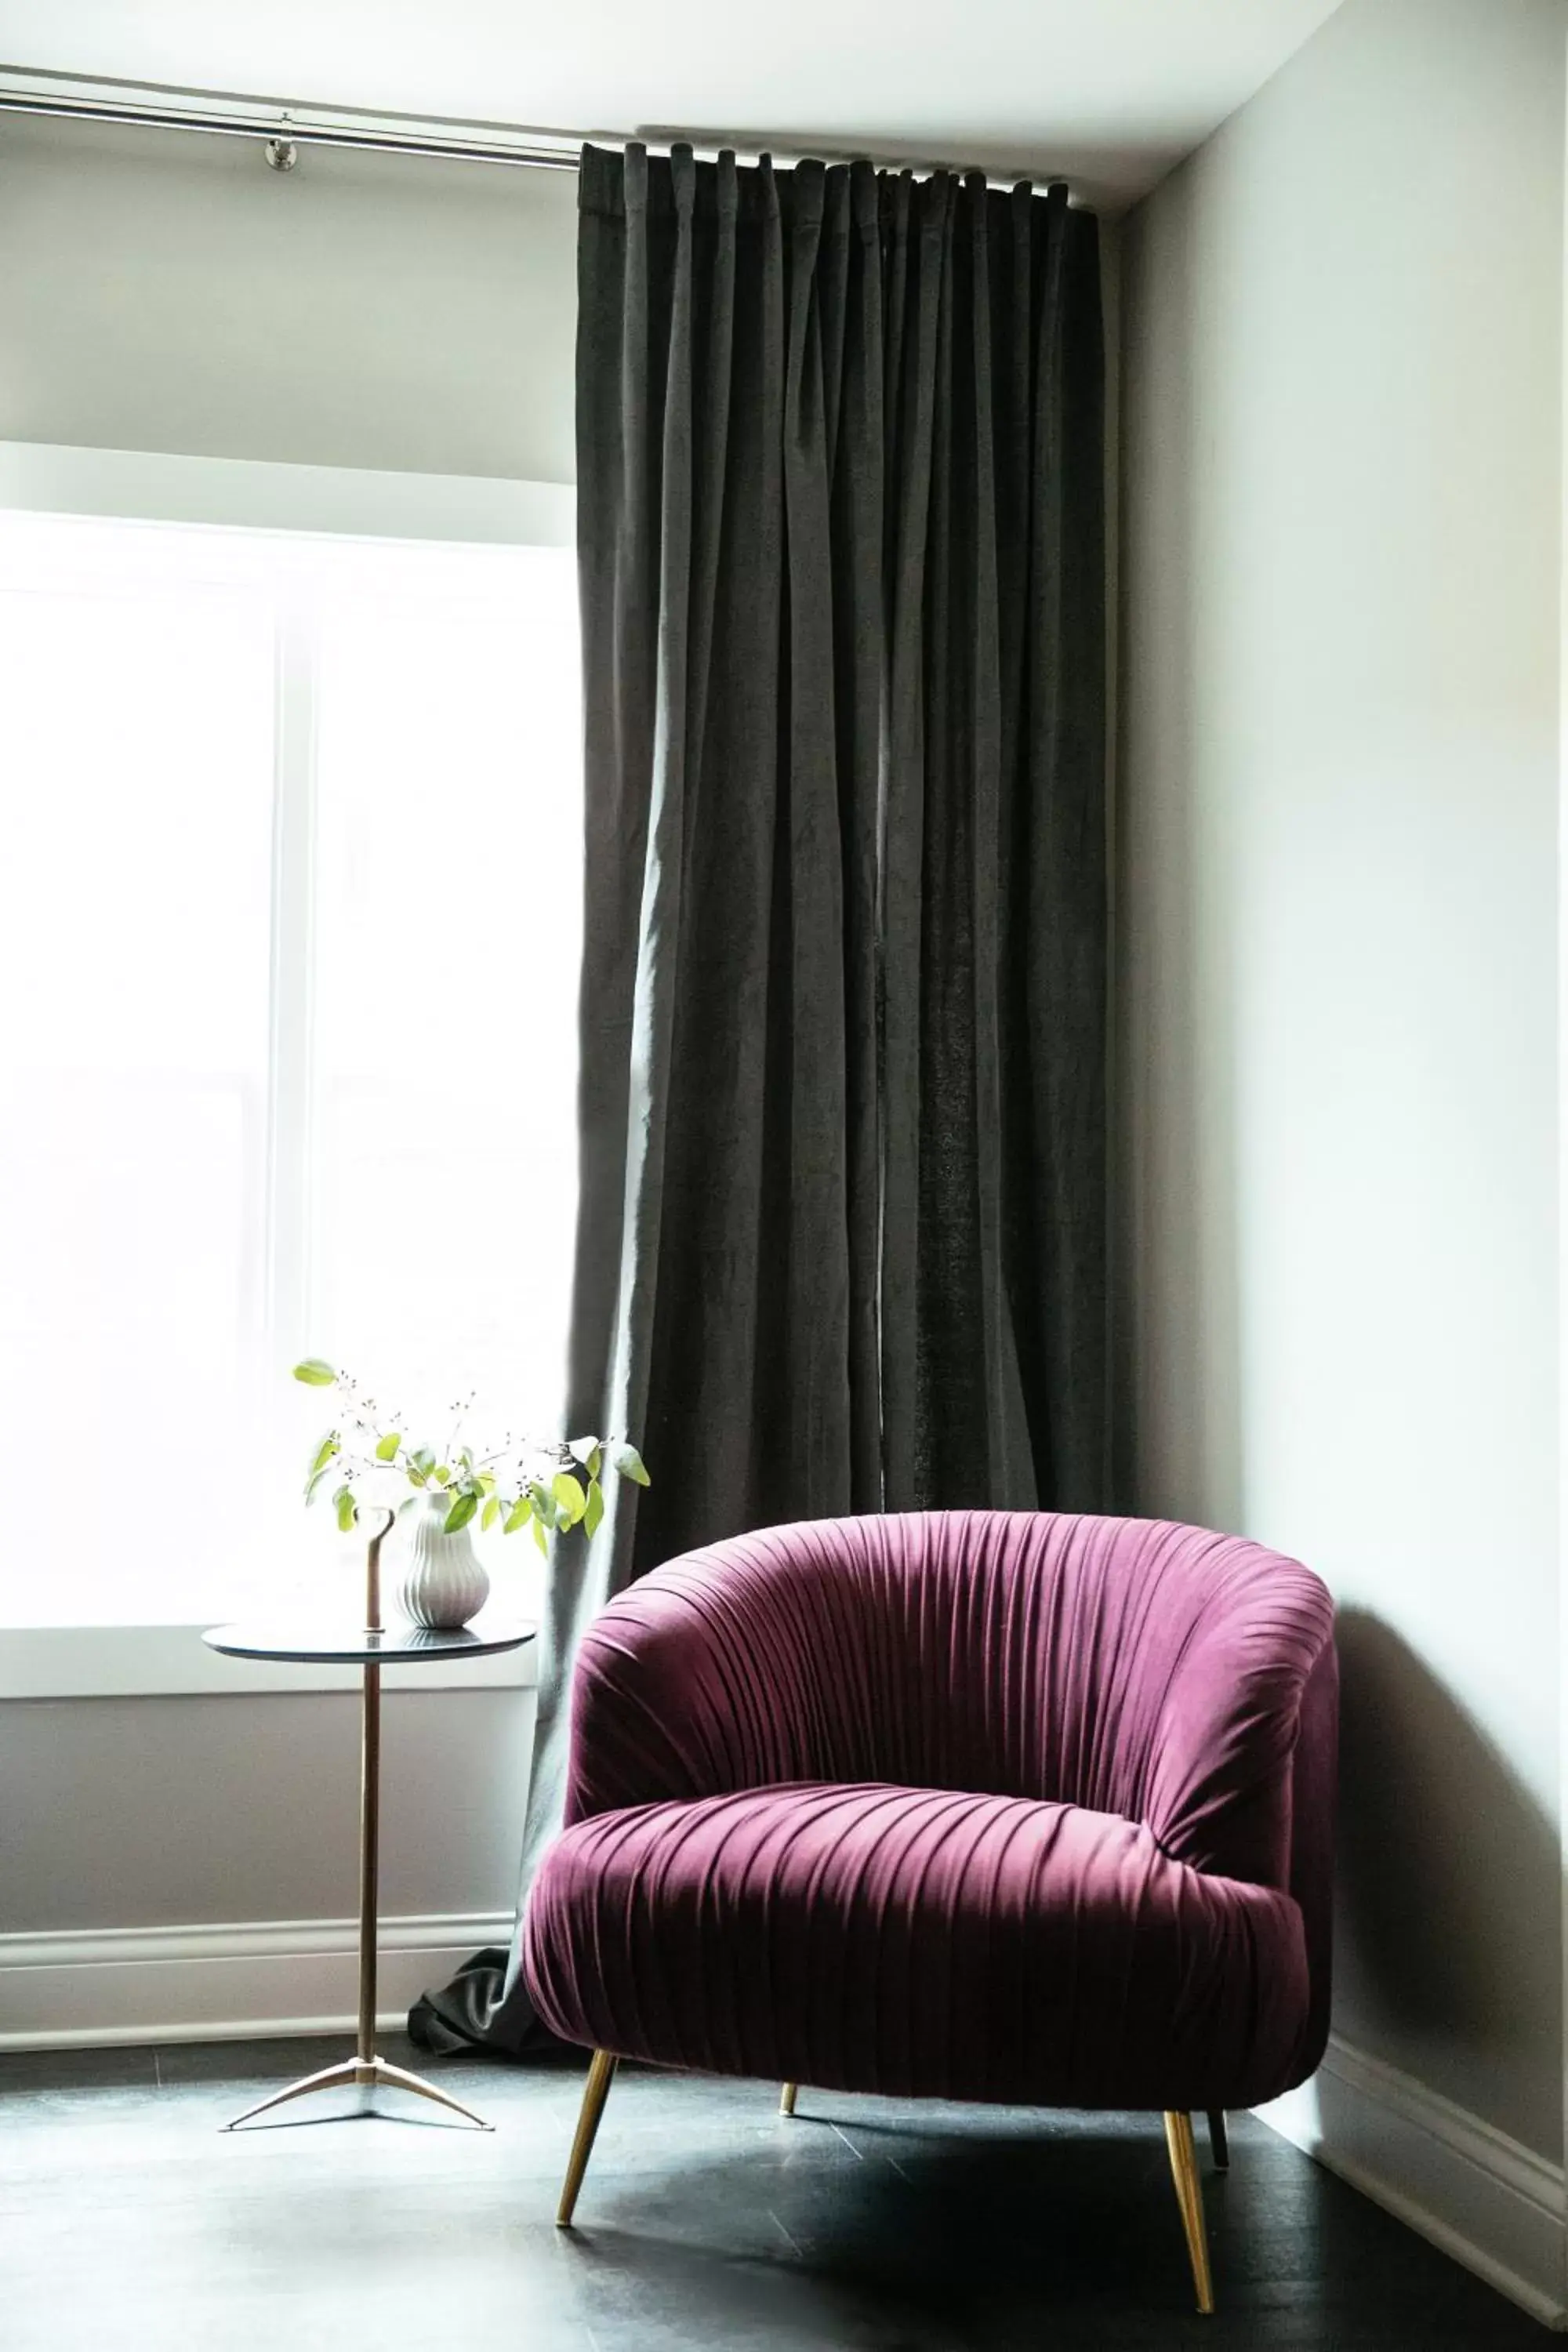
128,2223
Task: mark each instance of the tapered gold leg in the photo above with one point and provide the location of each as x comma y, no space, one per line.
601,2074
1189,2197
787,2098
1219,2146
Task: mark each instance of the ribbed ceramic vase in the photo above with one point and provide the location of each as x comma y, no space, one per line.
442,1582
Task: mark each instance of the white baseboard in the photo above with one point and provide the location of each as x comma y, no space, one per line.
1492,2204
220,1983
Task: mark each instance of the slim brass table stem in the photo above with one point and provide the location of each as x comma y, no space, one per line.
369,1858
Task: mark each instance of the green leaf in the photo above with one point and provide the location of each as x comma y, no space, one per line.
466,1458
544,1503
323,1454
629,1463
539,1539
485,1483
417,1477
348,1510
388,1450
313,1485
461,1512
491,1511
315,1373
570,1499
518,1517
588,1451
423,1459
595,1510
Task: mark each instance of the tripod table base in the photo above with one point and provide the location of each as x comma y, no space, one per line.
370,2071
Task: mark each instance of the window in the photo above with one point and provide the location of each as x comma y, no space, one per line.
289,964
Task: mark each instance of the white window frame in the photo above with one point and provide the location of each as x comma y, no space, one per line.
53,1661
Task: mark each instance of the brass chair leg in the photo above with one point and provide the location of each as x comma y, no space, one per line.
787,2098
1219,2146
1189,2197
601,2074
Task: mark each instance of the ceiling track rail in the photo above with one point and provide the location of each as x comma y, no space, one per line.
282,130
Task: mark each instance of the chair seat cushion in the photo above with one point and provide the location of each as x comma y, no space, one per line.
918,1942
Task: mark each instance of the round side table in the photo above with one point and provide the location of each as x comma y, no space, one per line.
369,1647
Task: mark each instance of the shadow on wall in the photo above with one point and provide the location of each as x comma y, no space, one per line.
1447,1867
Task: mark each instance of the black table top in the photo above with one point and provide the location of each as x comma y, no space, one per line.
310,1642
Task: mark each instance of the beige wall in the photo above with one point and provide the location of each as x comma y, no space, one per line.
125,1813
165,292
1342,659
171,293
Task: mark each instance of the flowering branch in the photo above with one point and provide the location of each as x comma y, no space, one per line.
549,1486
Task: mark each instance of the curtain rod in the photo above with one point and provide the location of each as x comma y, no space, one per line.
279,127
282,132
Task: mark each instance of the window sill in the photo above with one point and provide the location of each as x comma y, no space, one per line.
51,1662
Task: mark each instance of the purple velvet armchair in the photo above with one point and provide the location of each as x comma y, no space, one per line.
965,1805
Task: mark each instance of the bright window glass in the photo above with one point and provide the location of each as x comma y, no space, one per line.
289,971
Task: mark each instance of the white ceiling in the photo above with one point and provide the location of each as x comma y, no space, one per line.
1111,93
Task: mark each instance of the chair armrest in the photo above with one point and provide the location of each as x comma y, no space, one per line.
1222,1790
694,1682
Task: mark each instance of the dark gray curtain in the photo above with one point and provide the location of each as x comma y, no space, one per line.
842,1237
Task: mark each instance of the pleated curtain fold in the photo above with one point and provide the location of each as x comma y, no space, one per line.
843,1229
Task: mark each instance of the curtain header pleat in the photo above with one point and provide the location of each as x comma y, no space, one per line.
614,181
